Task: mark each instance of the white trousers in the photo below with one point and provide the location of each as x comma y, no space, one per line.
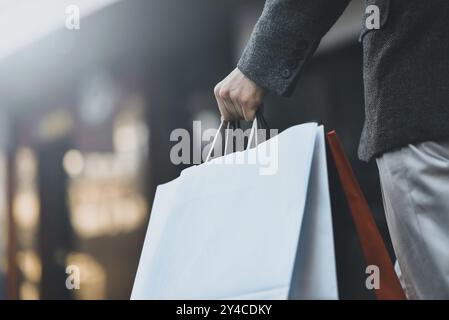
415,188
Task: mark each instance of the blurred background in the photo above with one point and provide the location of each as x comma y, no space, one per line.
85,119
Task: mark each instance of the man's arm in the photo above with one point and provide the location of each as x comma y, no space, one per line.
284,38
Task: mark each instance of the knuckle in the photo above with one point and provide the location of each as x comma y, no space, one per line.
217,90
245,100
224,92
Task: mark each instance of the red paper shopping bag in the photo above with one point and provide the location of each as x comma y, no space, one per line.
372,244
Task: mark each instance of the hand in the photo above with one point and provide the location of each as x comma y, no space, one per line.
238,97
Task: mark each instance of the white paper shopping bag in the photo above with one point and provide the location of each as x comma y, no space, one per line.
315,275
223,230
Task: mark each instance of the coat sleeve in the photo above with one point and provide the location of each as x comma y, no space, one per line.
285,36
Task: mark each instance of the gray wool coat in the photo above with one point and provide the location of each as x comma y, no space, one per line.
405,63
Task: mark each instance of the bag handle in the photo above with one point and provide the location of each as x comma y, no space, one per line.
236,125
253,135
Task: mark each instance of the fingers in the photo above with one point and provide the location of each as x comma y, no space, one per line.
236,105
250,105
238,97
225,114
233,107
227,104
235,102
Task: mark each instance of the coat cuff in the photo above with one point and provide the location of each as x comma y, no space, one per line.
284,38
275,74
